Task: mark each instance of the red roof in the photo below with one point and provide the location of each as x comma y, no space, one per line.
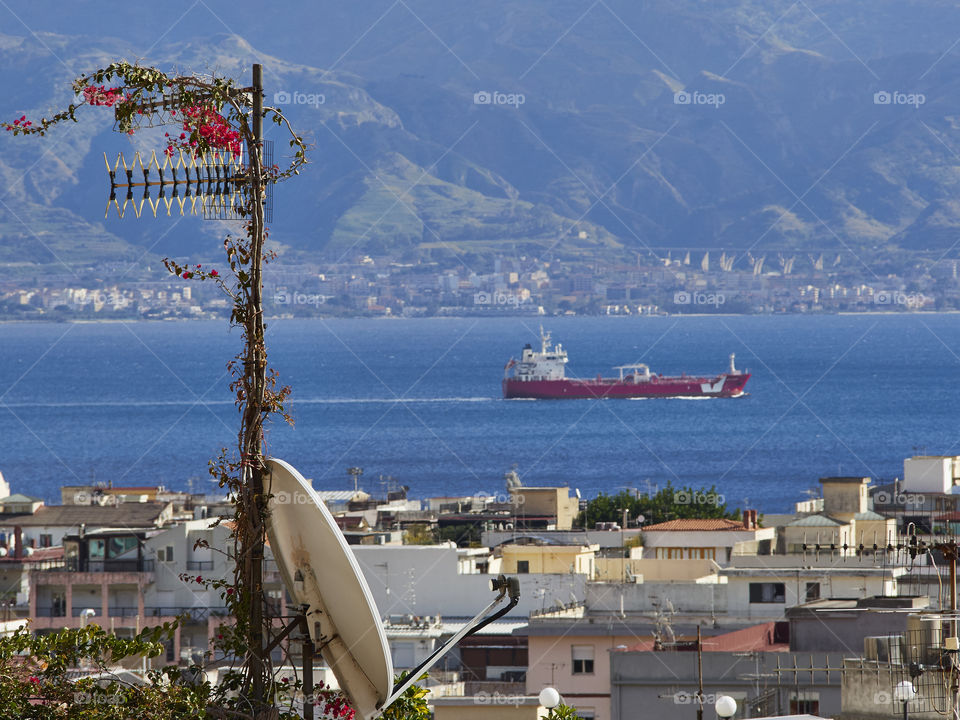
756,637
686,524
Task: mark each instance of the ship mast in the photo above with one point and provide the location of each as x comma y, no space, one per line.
544,341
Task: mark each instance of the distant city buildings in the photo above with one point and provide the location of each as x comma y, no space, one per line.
524,286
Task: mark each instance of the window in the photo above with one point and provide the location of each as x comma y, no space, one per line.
813,591
523,567
805,703
582,659
119,546
165,554
96,549
768,593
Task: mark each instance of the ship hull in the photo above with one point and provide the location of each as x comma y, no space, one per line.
721,386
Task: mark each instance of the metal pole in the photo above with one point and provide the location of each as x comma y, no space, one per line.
699,676
308,698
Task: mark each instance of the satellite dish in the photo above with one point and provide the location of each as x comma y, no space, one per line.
322,575
320,571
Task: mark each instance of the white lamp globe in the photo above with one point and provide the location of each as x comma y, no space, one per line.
726,706
549,698
904,691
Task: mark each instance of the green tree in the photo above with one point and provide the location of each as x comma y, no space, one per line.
668,503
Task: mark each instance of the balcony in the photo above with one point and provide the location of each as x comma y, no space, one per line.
117,566
194,565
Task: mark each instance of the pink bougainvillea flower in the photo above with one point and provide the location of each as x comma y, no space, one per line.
214,273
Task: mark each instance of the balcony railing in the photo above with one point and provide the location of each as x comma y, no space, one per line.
121,611
199,565
51,612
118,566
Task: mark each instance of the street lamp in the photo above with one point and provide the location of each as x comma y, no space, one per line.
725,706
549,698
904,692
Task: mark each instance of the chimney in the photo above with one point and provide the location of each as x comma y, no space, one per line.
18,540
746,519
753,520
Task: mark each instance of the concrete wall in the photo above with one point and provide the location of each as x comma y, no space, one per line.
546,501
423,580
928,474
842,631
687,597
487,707
843,498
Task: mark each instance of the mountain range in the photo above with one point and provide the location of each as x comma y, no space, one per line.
591,129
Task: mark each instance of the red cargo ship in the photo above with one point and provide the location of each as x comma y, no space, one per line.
542,375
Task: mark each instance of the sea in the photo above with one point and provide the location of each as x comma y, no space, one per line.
417,403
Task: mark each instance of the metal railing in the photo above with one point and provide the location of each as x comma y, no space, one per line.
199,565
117,566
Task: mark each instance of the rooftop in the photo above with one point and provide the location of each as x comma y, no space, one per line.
815,521
696,524
766,637
130,515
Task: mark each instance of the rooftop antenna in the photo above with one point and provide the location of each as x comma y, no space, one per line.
355,473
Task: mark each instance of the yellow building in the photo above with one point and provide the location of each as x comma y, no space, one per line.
519,559
551,505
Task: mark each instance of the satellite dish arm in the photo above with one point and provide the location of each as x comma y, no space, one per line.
504,585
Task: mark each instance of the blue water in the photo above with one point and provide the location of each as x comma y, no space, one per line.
419,400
